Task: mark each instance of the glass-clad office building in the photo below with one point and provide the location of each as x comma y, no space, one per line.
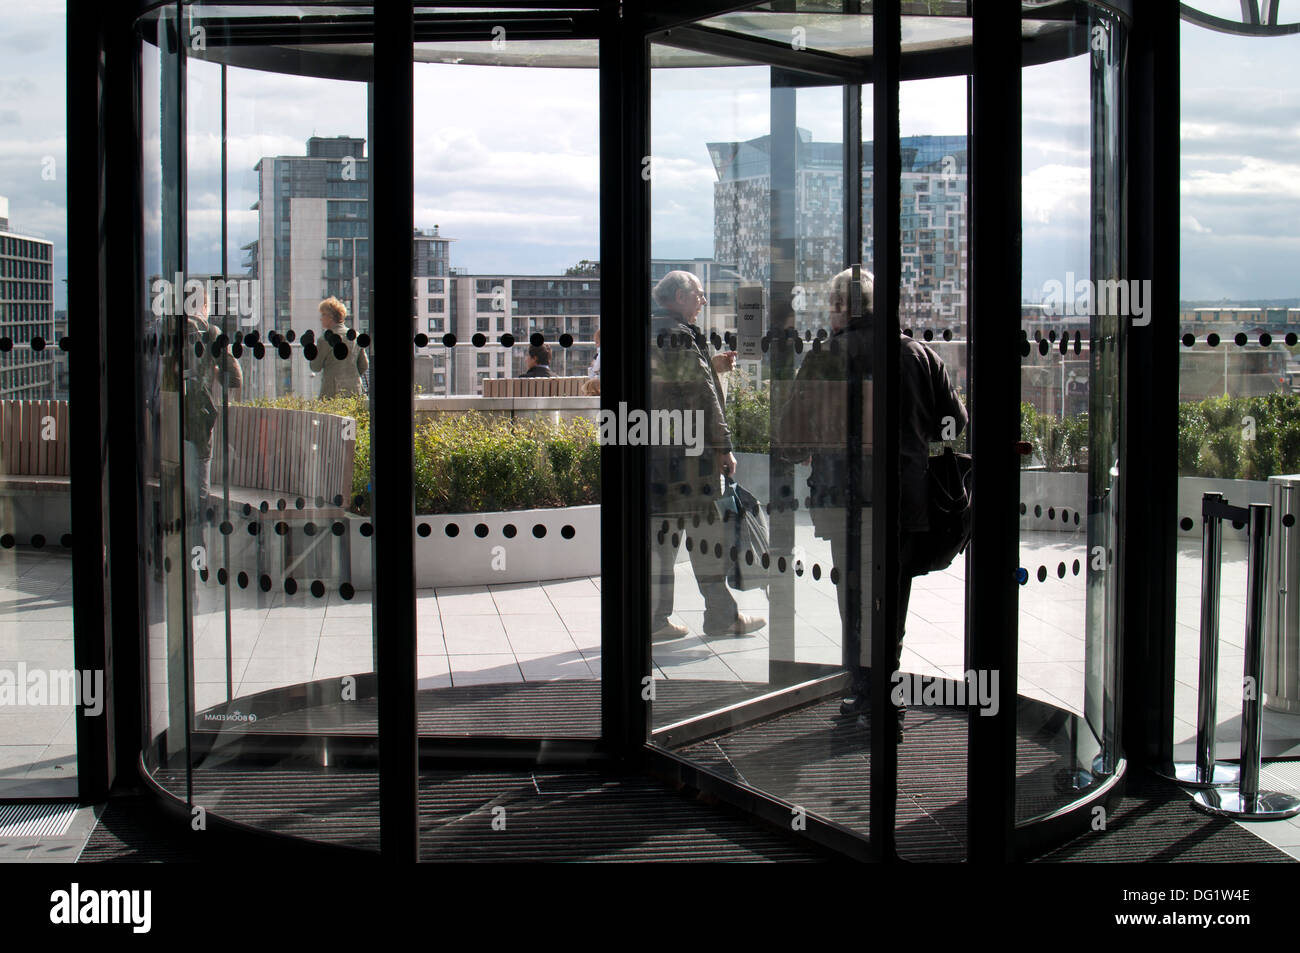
767,268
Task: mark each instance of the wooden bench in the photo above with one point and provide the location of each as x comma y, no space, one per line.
533,386
279,457
279,454
34,447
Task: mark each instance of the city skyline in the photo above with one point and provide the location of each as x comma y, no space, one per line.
1240,181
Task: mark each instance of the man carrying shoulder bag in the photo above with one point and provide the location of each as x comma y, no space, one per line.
814,427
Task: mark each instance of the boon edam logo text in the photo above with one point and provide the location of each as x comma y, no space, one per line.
977,689
1085,297
102,907
23,687
655,428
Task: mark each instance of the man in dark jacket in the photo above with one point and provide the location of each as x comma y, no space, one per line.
815,427
538,361
684,488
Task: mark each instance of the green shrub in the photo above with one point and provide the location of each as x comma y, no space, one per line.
1191,434
469,463
1213,440
748,415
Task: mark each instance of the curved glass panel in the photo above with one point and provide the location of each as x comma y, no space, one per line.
256,449
1077,304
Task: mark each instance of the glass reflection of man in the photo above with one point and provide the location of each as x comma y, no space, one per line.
816,424
684,488
209,368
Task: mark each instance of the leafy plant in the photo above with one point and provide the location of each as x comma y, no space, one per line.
1241,438
467,463
748,415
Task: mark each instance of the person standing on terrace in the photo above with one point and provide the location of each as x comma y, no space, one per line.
340,362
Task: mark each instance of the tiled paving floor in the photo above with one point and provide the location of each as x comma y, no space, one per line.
19,843
548,630
38,753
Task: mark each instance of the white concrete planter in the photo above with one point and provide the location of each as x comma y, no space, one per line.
1052,500
1236,492
569,547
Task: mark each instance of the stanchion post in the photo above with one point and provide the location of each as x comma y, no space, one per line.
1205,771
1248,802
1207,701
1252,728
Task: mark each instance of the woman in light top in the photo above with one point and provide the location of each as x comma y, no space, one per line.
339,360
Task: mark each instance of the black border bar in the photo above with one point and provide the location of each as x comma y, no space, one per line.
392,183
87,395
992,596
625,341
886,493
1149,505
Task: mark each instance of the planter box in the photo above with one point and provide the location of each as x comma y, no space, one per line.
550,410
1236,492
1051,501
470,559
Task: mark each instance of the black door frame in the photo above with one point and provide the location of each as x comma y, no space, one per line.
104,187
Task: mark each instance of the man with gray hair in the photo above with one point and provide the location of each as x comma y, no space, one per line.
684,488
814,428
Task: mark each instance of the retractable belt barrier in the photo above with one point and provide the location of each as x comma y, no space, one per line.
1212,778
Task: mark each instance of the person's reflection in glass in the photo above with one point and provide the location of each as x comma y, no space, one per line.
684,488
815,430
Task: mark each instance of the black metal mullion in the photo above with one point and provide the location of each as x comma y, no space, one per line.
1149,502
87,398
886,489
392,176
992,596
625,281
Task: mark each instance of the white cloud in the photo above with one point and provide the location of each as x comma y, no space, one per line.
1254,176
1053,193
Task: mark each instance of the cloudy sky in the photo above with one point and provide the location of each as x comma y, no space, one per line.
506,159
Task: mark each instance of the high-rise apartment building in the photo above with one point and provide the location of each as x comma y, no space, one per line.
934,214
313,243
520,305
26,313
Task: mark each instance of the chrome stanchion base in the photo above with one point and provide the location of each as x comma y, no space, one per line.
1222,774
1265,806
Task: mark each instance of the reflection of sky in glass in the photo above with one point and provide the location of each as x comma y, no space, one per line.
1240,172
33,141
513,176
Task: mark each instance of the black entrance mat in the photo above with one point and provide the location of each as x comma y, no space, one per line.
1155,823
464,816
